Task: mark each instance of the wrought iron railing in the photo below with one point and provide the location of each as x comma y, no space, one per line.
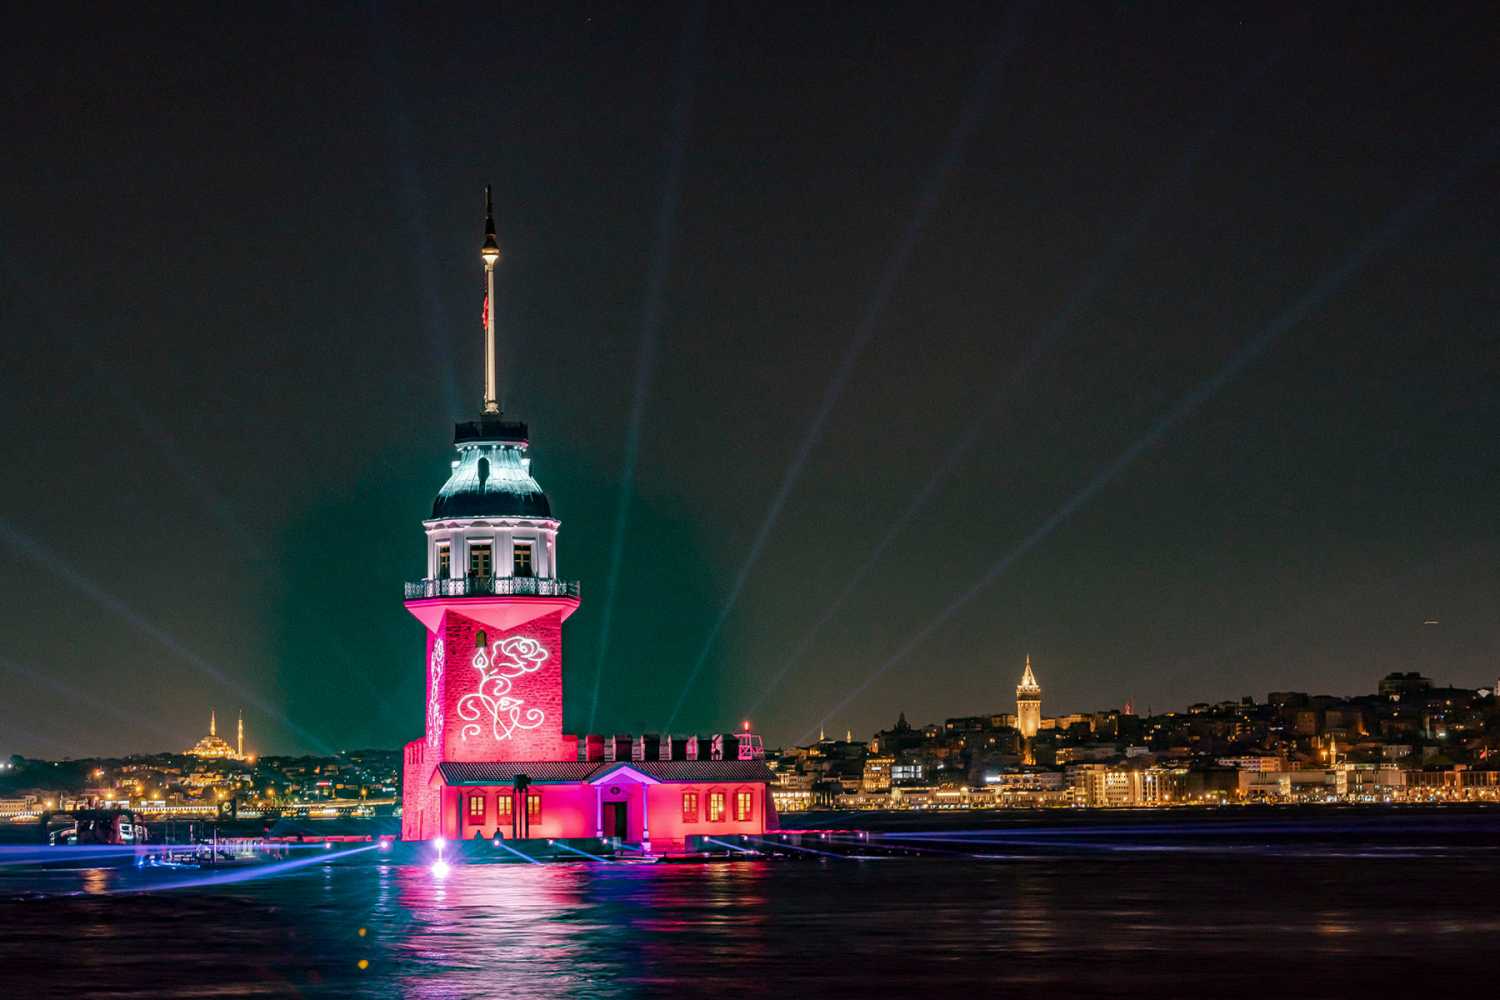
492,586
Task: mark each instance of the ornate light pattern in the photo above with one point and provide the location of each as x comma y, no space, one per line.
498,666
435,698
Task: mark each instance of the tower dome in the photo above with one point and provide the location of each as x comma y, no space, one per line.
492,475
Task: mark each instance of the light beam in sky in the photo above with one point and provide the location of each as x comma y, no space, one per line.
50,561
971,114
661,261
1103,269
1393,226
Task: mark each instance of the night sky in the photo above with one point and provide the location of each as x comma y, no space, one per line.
1154,342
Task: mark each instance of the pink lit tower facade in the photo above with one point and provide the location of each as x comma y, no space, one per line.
494,760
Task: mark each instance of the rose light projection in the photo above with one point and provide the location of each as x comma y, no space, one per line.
498,666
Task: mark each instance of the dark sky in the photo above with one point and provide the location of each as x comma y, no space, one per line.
1155,342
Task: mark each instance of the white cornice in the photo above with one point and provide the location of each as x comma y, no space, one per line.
462,523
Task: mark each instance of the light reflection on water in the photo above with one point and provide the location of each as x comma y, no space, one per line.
1223,923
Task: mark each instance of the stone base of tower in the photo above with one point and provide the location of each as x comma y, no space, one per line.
418,811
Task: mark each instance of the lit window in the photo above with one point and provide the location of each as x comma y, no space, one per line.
476,808
503,805
690,807
534,807
444,562
742,801
480,561
715,807
521,563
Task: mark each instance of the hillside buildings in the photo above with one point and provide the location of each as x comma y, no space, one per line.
1412,740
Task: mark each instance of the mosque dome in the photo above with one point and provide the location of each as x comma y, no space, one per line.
491,476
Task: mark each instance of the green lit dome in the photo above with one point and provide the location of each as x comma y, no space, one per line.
492,476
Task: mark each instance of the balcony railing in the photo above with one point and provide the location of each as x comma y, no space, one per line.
492,586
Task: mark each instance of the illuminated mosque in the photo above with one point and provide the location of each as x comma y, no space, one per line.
215,747
494,760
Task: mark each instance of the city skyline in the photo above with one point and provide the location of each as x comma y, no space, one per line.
1028,683
1408,741
851,386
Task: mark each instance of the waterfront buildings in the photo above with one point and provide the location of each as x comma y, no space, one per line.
1428,744
1411,741
183,786
494,760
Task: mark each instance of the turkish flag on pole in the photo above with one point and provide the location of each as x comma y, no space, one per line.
484,312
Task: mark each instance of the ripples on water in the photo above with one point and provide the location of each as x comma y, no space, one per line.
1351,910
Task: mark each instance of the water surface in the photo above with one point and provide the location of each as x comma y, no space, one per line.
1314,905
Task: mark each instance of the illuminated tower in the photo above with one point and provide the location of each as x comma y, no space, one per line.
491,602
1028,704
239,739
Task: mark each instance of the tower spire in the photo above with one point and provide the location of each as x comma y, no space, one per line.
1028,679
239,742
490,253
213,723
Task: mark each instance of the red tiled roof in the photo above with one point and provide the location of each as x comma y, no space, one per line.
504,773
692,771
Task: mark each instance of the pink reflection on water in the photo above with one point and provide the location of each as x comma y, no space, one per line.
567,930
492,930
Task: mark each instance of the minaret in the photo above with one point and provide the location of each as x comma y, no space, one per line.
239,747
490,252
1028,703
213,724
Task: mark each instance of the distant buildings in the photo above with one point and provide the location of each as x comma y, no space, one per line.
1396,686
187,786
1411,741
